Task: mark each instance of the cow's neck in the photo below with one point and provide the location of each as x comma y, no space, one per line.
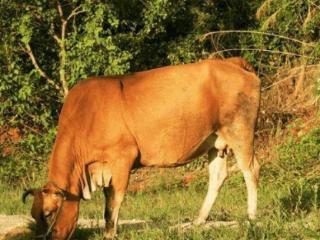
63,170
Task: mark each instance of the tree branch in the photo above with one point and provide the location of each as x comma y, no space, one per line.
63,59
28,50
60,11
262,50
61,42
54,35
75,12
203,37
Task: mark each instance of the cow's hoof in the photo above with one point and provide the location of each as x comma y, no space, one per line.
199,221
109,235
107,238
252,216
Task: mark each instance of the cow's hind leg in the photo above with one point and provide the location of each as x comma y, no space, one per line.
240,140
250,169
217,175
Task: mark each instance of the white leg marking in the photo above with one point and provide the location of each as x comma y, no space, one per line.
217,175
250,180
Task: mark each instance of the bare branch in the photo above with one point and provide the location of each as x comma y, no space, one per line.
315,66
299,82
61,43
263,50
203,37
28,50
54,35
75,12
63,59
144,3
60,11
315,5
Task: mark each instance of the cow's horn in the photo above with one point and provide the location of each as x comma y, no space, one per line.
26,193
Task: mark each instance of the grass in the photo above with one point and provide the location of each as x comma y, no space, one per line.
289,201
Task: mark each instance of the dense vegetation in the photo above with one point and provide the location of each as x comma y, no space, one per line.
48,46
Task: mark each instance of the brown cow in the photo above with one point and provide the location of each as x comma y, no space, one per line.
162,117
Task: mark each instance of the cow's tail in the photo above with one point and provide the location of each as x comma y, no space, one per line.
241,63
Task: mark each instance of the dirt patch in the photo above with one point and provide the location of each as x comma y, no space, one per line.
14,227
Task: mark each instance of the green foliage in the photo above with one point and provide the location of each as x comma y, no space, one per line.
29,162
41,59
301,153
299,162
295,19
91,47
46,47
291,39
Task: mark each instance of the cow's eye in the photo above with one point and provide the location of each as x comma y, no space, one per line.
58,194
46,191
47,214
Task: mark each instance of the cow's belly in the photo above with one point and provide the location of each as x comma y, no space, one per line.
199,149
203,147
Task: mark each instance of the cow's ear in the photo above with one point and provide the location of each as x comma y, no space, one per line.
27,192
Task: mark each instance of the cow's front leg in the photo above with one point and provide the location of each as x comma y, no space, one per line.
114,196
112,206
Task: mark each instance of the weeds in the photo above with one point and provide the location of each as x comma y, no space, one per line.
288,201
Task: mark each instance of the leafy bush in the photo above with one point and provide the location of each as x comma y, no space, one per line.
48,46
29,161
301,153
299,175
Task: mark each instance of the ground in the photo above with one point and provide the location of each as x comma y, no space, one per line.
168,199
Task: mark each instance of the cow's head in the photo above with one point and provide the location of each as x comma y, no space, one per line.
46,206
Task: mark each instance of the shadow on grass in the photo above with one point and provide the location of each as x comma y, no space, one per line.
87,233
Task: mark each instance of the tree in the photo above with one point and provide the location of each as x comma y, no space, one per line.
48,46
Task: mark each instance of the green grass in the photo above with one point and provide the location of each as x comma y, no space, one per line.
288,207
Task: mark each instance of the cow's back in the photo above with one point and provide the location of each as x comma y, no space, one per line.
172,110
